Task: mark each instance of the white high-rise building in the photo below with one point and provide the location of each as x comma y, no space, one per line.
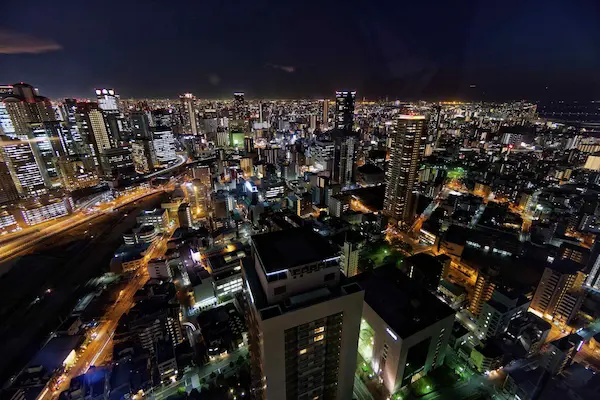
164,145
108,100
303,318
188,113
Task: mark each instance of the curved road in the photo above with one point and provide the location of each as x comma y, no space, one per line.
182,160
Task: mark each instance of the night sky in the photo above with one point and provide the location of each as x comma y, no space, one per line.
509,49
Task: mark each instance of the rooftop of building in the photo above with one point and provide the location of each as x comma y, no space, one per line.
566,343
405,306
221,261
296,302
369,169
291,248
425,261
490,350
127,253
154,212
164,351
52,355
452,288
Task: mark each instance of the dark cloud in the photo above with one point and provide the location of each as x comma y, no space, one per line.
19,43
286,68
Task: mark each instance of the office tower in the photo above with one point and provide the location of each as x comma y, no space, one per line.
108,100
303,319
344,156
344,109
72,139
140,125
405,153
24,169
34,120
484,289
162,118
238,122
163,142
75,174
6,124
559,295
92,129
497,313
322,153
405,330
325,115
118,162
188,114
144,157
239,106
8,190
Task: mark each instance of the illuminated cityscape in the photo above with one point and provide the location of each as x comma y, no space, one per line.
213,224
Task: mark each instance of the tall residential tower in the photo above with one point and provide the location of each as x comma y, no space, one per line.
344,109
303,319
407,141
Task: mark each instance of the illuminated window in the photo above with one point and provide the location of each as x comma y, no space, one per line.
303,351
319,329
319,338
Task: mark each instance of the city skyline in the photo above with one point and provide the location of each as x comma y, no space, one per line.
469,51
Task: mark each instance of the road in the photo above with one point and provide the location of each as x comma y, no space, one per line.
102,335
26,323
24,244
181,160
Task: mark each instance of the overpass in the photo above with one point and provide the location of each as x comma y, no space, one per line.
181,160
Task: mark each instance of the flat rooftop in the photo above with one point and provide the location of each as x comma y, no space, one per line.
301,300
405,306
291,248
54,353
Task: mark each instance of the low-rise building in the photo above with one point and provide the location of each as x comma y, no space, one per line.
409,328
487,358
158,218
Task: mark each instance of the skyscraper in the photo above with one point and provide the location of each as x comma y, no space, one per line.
108,100
344,109
407,139
303,318
163,142
8,190
239,106
344,156
34,120
325,115
93,131
188,114
23,167
238,121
